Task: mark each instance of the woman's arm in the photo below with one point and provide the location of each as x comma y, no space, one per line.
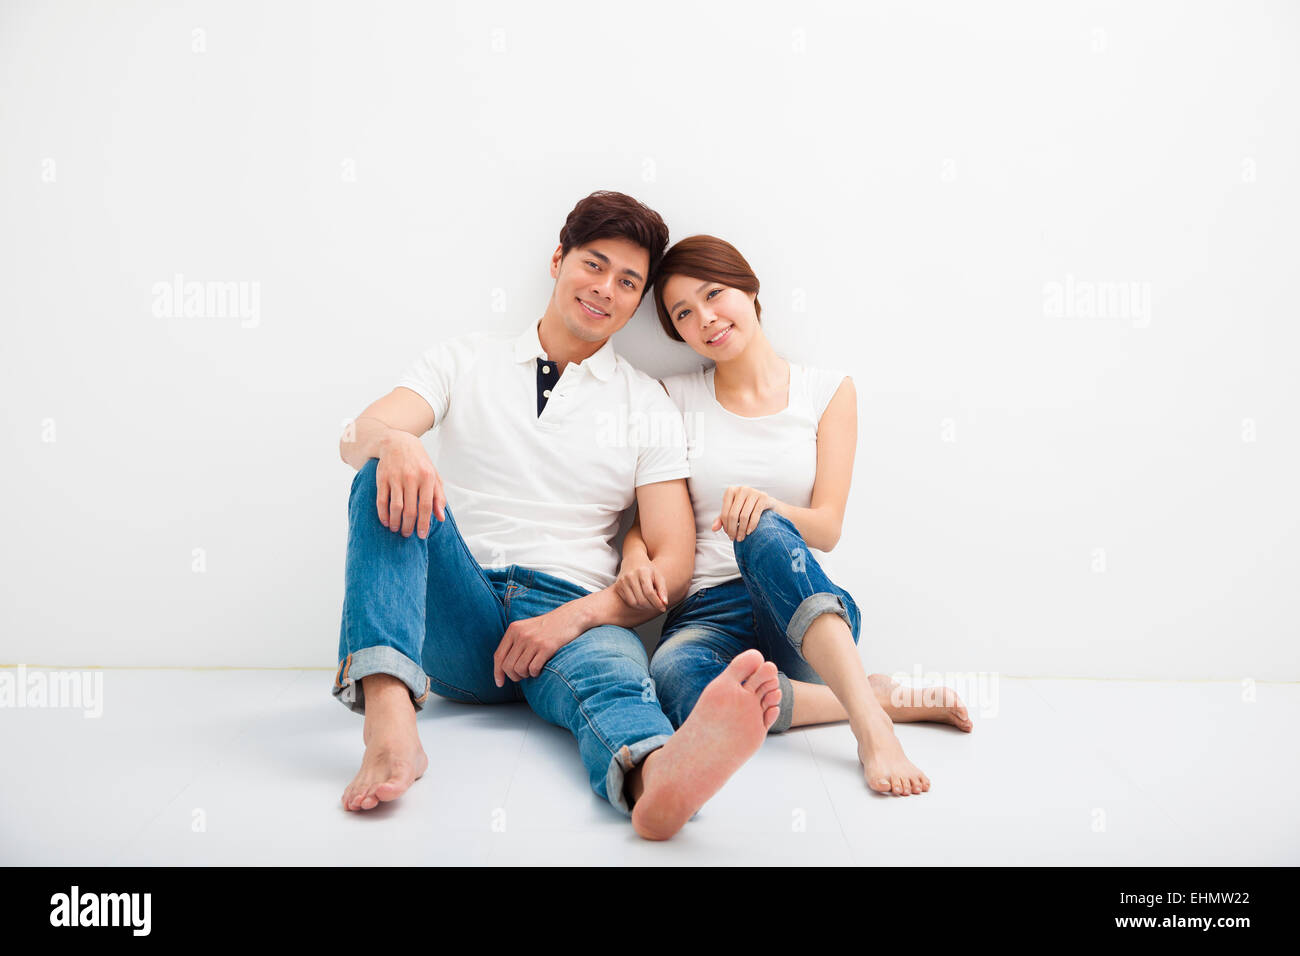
634,549
837,443
819,524
640,584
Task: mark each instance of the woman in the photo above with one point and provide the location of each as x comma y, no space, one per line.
771,449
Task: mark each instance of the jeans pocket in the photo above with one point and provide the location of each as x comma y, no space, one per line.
513,591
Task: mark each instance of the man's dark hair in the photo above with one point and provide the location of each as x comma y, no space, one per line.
611,215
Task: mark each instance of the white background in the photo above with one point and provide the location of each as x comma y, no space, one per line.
907,180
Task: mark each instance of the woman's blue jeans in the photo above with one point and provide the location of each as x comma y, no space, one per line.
780,592
425,611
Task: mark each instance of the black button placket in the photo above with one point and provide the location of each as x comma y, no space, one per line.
548,374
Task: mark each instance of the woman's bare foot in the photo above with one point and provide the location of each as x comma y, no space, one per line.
724,730
906,704
394,758
885,766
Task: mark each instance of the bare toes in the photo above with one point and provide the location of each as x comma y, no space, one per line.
743,666
766,672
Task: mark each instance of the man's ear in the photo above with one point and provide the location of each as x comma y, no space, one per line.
556,258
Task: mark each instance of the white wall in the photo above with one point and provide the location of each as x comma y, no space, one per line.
921,178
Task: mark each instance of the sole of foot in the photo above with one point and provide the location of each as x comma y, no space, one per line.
726,728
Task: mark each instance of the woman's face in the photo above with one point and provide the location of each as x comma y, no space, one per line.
714,319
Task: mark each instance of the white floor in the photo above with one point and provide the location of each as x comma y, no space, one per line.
230,766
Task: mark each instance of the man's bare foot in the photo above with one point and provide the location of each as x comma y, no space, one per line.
724,730
906,704
885,766
394,758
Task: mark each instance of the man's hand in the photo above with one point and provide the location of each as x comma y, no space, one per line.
741,508
641,584
410,489
530,642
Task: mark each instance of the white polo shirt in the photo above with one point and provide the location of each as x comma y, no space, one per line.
545,491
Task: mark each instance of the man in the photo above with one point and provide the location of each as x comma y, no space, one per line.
506,591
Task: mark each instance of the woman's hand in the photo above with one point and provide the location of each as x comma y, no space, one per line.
640,584
742,506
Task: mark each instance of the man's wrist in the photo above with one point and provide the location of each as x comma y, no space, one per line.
581,614
385,439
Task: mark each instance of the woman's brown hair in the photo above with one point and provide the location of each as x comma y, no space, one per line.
708,259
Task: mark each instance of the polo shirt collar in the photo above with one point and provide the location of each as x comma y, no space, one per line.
601,364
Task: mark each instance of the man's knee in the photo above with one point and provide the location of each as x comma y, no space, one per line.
607,652
365,480
365,495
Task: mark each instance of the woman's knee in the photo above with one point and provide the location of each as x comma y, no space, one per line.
670,659
855,617
773,529
677,686
681,669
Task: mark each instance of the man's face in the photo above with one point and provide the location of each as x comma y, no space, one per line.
598,286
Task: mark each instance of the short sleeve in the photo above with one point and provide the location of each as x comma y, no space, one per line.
676,388
433,375
822,386
661,444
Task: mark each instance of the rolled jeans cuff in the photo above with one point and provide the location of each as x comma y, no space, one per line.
621,764
811,608
786,716
378,660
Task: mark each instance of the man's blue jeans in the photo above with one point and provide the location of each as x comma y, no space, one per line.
781,590
424,611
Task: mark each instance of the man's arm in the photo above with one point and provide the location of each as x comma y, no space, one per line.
400,410
410,488
668,528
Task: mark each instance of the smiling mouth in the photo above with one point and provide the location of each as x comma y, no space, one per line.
715,338
592,310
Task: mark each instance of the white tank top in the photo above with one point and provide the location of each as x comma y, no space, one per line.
777,454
